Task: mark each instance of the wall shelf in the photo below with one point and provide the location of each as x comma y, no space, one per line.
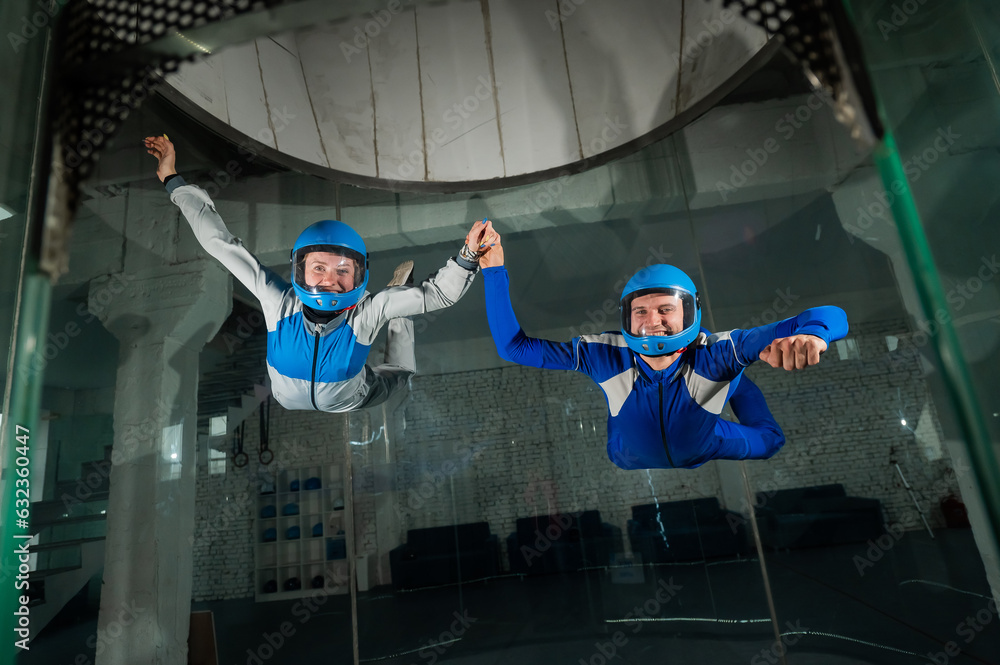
300,541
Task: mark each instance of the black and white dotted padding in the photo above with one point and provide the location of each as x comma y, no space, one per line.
817,34
89,109
805,28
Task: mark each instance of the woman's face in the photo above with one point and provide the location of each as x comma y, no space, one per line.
330,272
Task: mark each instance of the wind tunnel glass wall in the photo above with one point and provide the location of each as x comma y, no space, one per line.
942,106
20,79
860,515
21,64
13,185
477,508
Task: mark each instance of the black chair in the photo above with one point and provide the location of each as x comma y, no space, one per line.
562,543
693,530
816,516
442,554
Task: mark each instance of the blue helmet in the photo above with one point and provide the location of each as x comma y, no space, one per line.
336,277
678,300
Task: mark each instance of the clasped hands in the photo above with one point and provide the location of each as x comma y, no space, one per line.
484,240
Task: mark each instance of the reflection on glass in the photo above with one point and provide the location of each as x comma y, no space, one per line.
472,514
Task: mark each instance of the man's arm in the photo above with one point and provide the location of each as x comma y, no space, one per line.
511,342
793,343
210,231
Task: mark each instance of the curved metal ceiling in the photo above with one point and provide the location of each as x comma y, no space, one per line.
472,92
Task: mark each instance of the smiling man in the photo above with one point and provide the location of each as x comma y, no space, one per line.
321,326
666,379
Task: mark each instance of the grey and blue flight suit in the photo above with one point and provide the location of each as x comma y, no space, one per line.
315,365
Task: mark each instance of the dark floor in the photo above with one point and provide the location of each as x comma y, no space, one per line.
921,598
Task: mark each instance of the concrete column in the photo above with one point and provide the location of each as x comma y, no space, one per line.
162,318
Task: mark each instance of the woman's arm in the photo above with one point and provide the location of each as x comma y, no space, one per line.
209,229
442,289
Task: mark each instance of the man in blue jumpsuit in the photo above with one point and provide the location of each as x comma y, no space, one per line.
665,378
322,325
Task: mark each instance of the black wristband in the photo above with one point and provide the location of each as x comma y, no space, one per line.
170,177
465,263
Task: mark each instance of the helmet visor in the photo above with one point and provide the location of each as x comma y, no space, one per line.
328,269
658,312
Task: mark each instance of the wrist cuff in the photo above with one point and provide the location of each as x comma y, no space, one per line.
468,255
172,182
465,263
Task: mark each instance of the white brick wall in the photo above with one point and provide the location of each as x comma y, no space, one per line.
227,504
842,424
501,444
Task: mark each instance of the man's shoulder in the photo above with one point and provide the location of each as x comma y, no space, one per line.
605,354
706,339
610,339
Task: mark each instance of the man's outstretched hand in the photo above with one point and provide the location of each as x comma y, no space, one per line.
480,235
485,240
493,255
161,148
795,352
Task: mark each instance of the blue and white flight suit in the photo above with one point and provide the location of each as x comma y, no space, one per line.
317,366
669,418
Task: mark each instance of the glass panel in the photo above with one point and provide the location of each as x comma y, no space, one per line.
487,507
473,515
22,314
20,68
940,97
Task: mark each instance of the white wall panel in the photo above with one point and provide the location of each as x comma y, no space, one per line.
399,132
340,89
717,42
460,126
288,103
621,66
202,82
245,93
537,121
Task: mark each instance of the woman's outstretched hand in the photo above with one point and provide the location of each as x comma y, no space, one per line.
161,148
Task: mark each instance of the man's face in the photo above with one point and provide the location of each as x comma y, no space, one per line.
331,272
657,314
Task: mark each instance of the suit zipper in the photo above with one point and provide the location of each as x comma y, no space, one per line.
663,431
312,386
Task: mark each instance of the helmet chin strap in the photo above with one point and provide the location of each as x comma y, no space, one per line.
320,316
680,350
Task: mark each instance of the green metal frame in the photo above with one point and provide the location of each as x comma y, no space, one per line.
954,370
26,182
